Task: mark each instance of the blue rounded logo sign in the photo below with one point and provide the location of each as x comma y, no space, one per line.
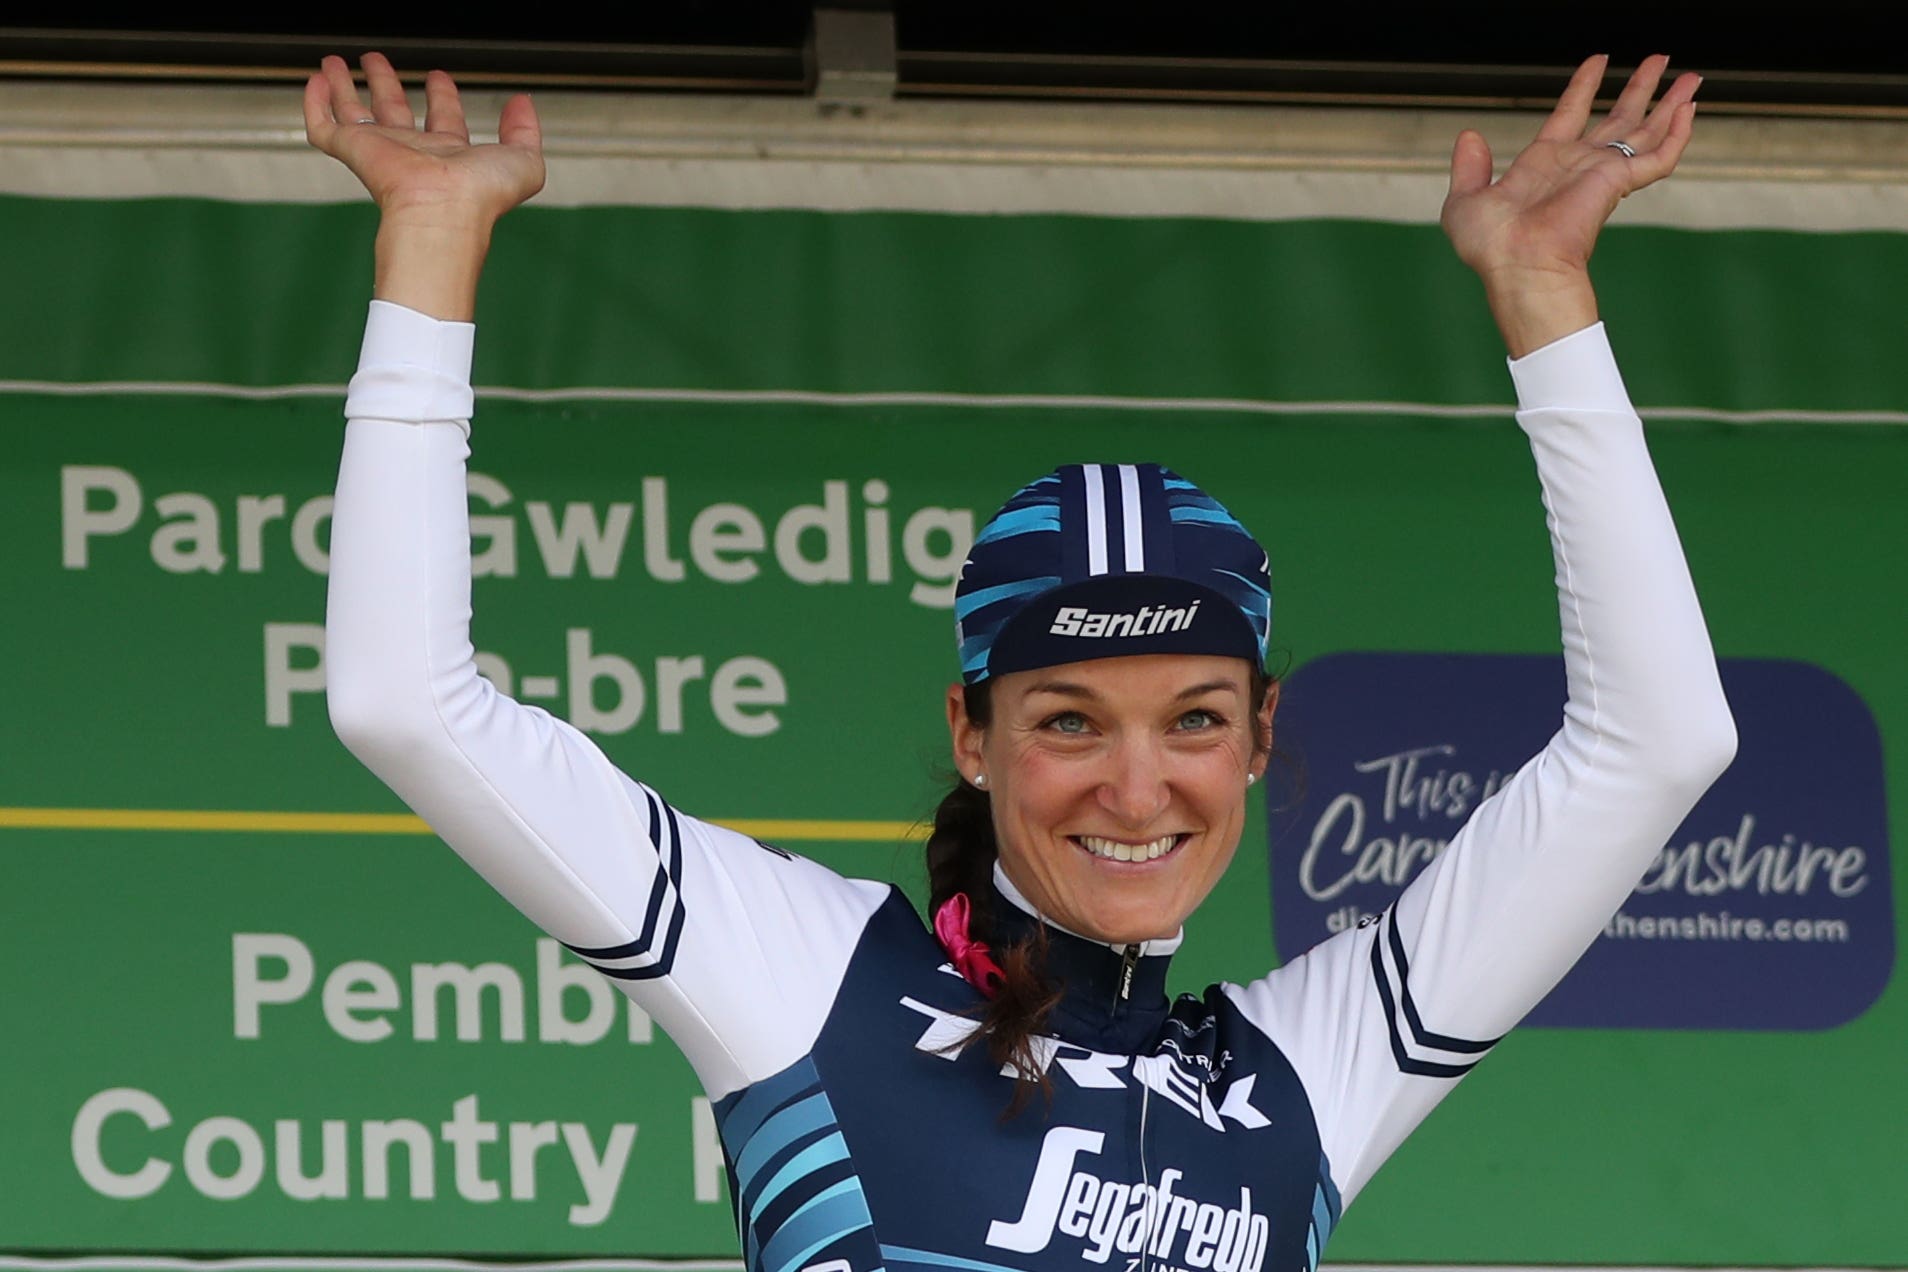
1771,907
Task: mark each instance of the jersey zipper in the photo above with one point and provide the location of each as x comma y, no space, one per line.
1128,961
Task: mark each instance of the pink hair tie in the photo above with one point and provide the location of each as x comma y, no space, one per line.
969,956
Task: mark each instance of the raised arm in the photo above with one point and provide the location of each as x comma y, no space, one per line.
439,196
735,950
1381,1021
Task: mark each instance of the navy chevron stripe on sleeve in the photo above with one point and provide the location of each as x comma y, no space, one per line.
1424,1037
1409,1042
664,912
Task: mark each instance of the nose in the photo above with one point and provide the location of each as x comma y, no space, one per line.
1135,788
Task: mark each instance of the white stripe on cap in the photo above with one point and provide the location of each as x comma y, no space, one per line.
1096,518
1130,518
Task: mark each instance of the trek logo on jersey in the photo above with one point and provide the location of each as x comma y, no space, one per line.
1148,620
1177,1234
1186,1081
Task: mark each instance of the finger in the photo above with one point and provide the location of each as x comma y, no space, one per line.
388,103
345,106
1627,115
1662,160
1657,126
1470,165
319,125
519,126
1572,112
443,108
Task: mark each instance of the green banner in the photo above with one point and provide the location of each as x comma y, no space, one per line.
719,500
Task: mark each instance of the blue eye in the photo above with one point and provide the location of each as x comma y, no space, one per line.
1066,722
1200,719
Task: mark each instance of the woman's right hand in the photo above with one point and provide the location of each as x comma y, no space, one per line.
439,195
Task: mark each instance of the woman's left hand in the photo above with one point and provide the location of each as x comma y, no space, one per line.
1529,234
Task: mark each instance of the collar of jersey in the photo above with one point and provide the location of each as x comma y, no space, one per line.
1164,945
1092,1012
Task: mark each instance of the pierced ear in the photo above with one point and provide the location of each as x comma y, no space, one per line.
966,737
1267,708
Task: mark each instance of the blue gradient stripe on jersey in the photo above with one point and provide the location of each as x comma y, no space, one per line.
796,1189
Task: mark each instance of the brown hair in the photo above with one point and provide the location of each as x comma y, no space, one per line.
961,850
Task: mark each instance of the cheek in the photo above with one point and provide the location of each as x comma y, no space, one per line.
1040,790
1222,860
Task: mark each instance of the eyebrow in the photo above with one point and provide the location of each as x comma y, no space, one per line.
1210,686
1072,689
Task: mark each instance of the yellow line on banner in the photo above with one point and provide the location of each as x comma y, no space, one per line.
792,829
881,831
211,819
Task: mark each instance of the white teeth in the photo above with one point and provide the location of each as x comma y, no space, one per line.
1113,850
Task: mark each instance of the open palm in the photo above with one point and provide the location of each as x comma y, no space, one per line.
1543,215
433,173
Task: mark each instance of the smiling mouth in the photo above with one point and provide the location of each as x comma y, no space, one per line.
1114,850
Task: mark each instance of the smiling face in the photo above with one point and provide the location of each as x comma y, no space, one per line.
1118,784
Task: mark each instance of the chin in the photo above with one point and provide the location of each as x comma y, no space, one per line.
1125,927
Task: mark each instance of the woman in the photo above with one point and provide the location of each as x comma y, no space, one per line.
1113,714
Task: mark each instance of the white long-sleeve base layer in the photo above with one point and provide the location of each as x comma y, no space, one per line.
1223,1132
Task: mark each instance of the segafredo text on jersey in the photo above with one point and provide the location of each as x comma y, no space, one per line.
1069,1201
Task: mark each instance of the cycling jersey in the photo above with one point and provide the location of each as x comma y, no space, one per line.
1224,1131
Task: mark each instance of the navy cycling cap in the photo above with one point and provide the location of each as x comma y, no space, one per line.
1103,560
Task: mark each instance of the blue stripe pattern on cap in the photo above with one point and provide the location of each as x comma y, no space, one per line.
1019,521
1085,521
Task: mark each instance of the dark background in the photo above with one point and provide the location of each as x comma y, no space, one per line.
1816,59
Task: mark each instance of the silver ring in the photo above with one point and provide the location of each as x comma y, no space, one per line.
1623,147
369,120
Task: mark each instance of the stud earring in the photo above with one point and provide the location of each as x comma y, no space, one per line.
980,781
1251,778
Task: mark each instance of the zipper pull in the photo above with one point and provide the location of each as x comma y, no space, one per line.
1128,961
